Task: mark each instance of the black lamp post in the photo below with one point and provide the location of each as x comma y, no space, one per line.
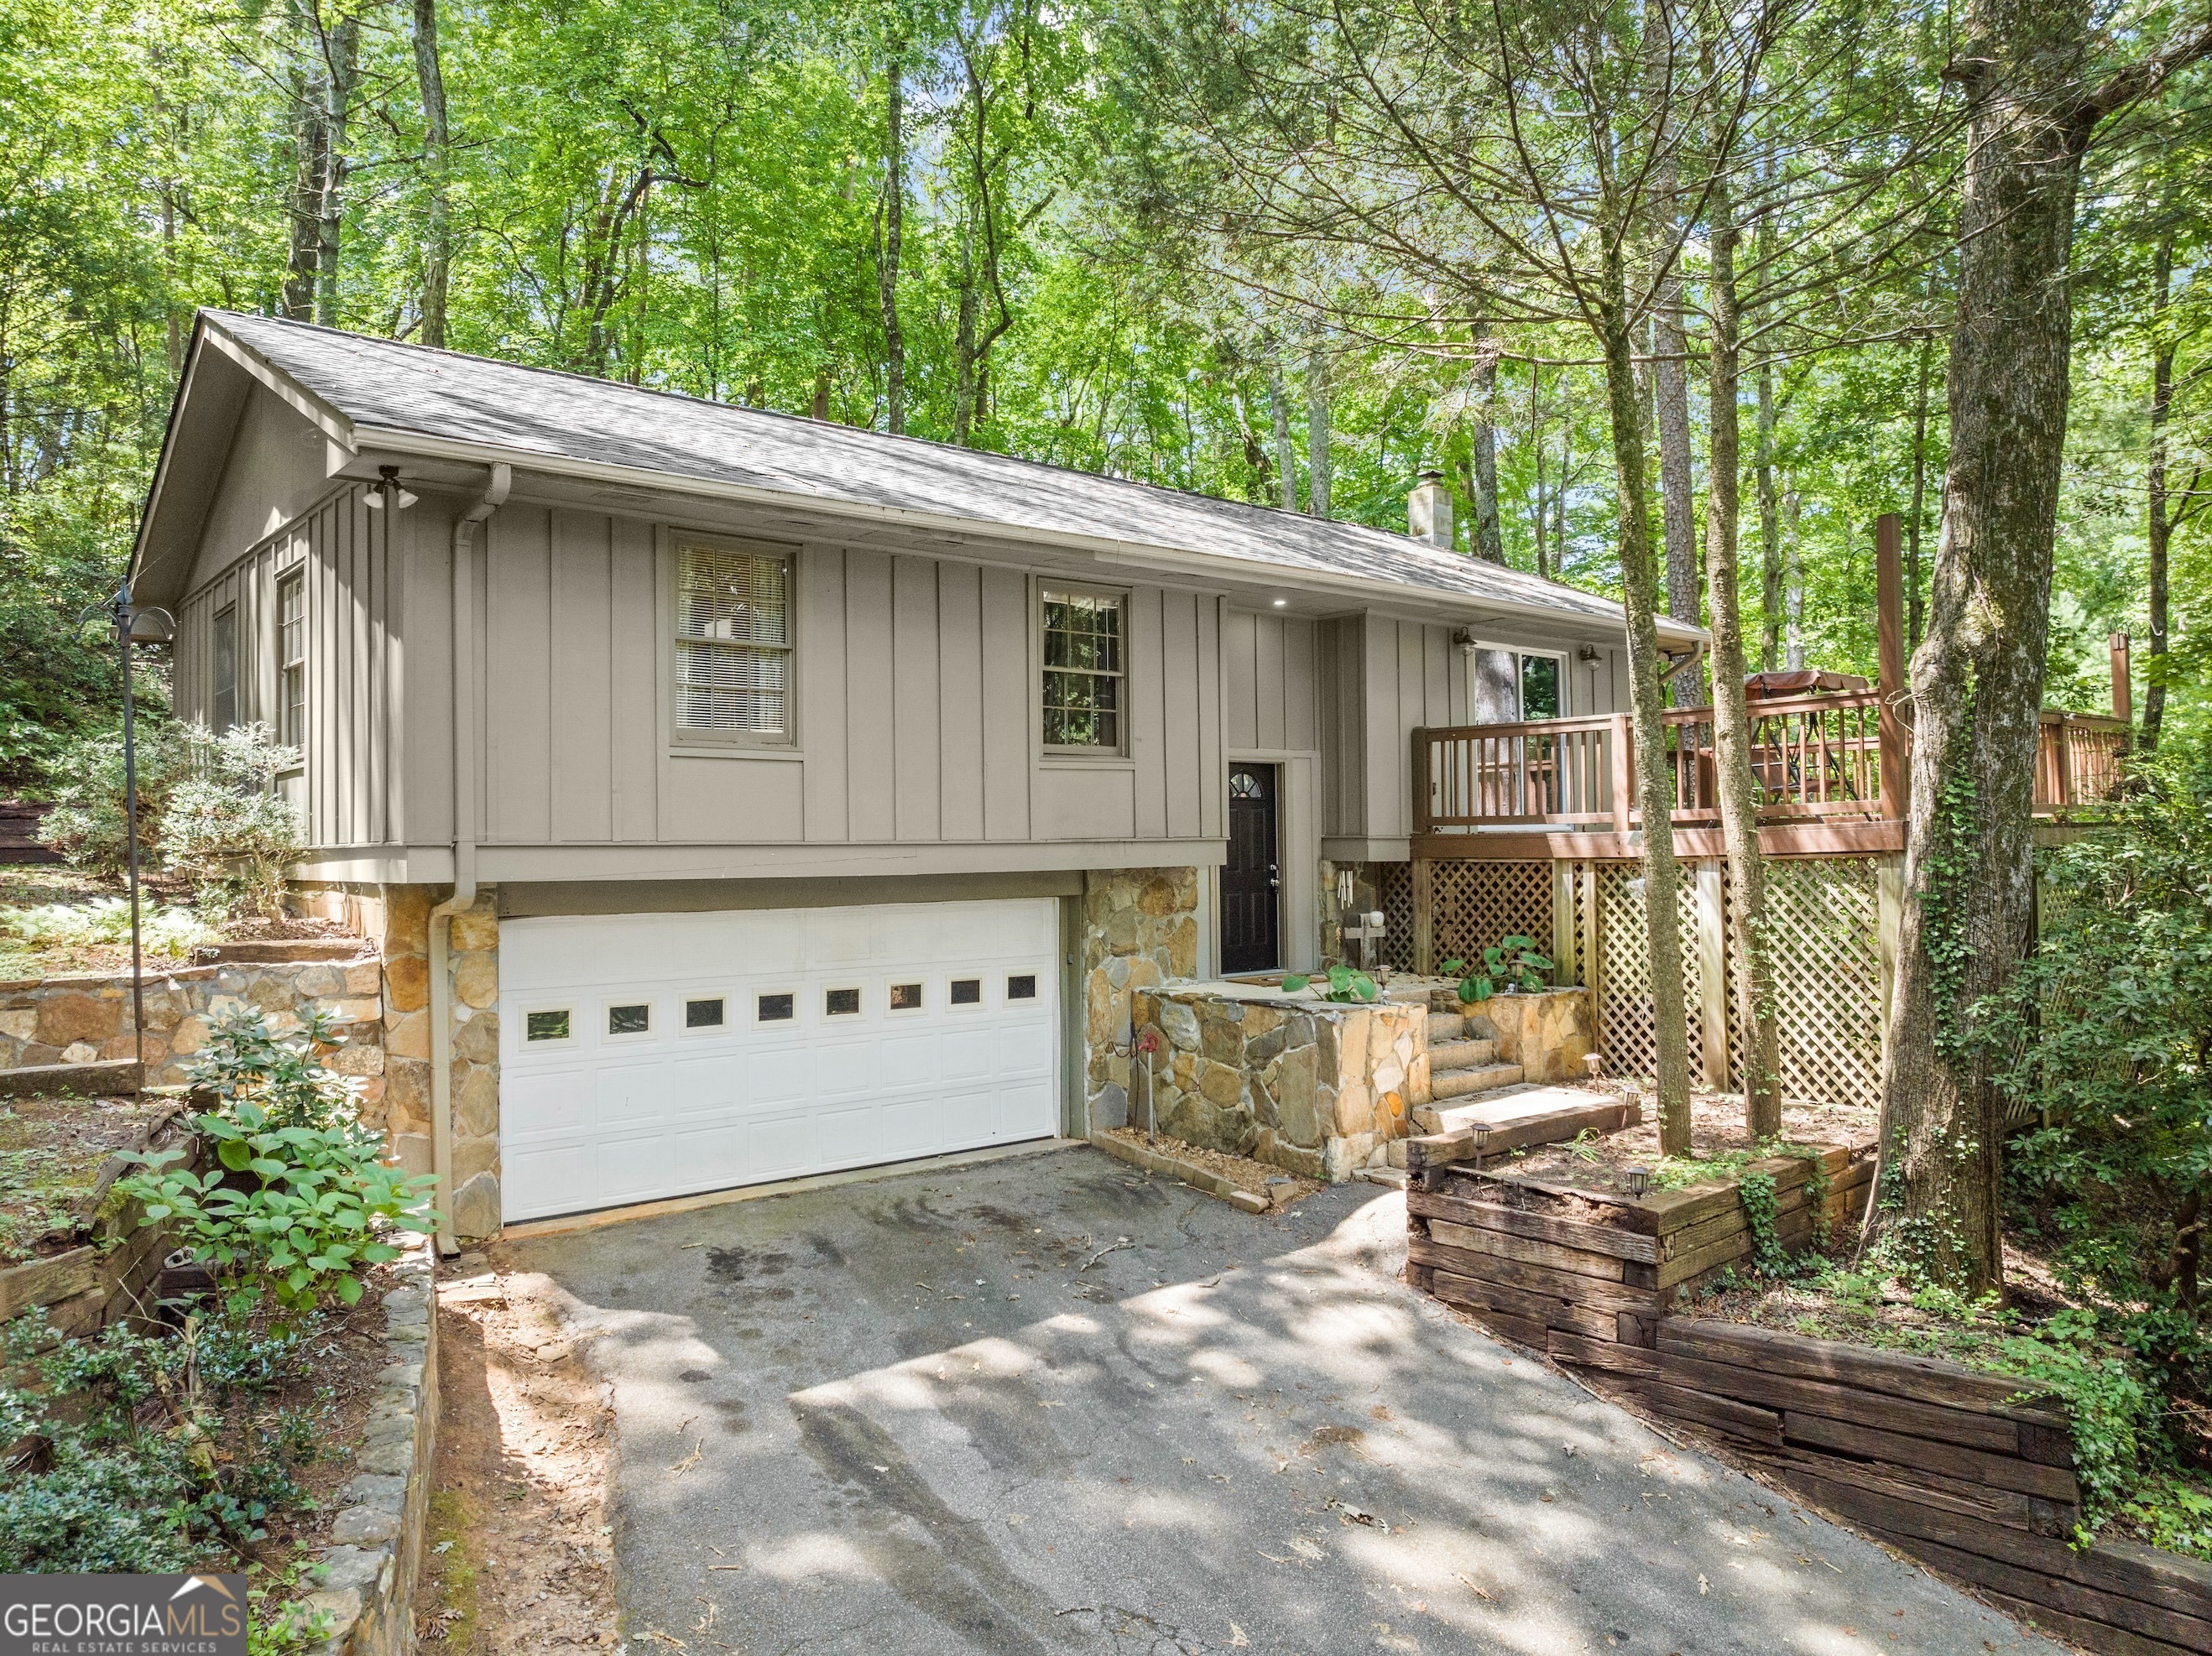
132,624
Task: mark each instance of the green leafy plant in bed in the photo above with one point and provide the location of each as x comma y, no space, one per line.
1346,984
295,1201
1513,964
1759,1194
149,1454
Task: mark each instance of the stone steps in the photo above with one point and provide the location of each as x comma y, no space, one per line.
1461,1054
1463,1083
1446,1026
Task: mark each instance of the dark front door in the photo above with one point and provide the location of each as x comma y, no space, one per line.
1251,884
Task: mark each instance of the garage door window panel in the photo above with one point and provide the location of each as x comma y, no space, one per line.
777,1006
706,1014
629,1020
734,638
548,1027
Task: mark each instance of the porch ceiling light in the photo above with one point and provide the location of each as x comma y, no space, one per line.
1282,604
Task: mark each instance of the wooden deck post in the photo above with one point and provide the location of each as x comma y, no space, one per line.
1624,774
1425,916
1712,971
2123,697
1889,618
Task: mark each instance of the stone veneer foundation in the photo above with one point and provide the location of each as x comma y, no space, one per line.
1308,1085
1139,929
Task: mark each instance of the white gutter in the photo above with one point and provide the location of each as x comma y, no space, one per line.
1104,547
465,847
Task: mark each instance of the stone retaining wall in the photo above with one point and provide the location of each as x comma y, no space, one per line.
77,1020
111,1274
1305,1085
366,1577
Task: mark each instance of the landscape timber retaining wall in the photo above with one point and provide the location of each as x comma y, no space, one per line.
110,1275
367,1576
1945,1462
1585,1276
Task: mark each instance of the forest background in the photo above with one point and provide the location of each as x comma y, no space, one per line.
995,223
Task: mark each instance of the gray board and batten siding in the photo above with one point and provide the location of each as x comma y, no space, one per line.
916,747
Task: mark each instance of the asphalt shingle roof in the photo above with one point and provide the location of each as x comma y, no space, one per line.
566,417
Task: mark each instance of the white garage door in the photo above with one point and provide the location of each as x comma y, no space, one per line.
653,1055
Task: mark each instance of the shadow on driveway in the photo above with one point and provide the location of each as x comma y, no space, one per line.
1049,1403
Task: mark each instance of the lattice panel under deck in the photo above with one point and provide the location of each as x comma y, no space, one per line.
1823,918
1478,903
1627,1033
1397,884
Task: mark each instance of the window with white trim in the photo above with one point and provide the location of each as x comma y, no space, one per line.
732,642
292,659
225,669
1084,670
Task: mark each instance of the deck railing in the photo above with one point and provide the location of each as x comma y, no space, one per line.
1813,757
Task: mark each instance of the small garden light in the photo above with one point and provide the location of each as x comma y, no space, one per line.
1480,1133
1639,1181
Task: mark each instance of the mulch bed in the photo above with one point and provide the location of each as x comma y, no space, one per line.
51,1150
1601,1162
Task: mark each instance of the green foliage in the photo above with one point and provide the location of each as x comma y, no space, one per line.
165,931
227,824
1512,964
296,1196
2171,1511
2105,1037
243,1061
129,1478
1345,984
89,822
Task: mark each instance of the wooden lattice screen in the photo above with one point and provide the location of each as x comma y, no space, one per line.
1626,1032
1477,903
1823,915
1824,921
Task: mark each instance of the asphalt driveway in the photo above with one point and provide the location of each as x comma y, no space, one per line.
1048,1404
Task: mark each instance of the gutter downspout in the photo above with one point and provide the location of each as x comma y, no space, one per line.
465,847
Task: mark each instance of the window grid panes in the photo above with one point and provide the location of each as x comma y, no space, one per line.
1083,670
732,642
225,669
292,660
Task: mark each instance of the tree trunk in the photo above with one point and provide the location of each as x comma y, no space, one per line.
310,150
1536,448
1913,616
1317,439
1654,775
2161,523
1754,969
1770,525
894,230
1793,576
1977,676
1489,537
437,221
345,42
1287,459
963,346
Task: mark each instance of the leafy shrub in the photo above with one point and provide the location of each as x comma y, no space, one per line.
297,1193
242,1060
1345,984
1514,963
129,1478
88,823
2107,1039
163,930
226,825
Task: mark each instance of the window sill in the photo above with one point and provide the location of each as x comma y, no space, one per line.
730,751
1056,760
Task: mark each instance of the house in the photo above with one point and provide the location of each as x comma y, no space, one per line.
740,797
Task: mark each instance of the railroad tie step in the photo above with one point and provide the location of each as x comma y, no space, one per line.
1462,1084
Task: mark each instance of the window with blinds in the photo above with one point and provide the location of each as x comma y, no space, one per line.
292,659
732,643
1083,672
